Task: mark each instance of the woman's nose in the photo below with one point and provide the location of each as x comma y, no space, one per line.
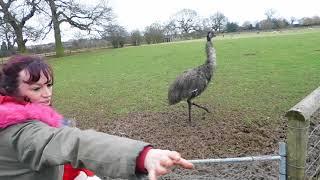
47,92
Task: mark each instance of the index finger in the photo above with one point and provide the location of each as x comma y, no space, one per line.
184,163
174,155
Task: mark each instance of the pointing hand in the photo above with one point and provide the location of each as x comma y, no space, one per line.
158,162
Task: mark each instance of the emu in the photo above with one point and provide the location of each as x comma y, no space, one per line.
193,82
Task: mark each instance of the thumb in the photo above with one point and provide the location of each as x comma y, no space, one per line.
152,175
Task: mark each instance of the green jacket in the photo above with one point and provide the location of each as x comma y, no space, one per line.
35,151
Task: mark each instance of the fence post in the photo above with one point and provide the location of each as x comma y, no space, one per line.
297,134
283,162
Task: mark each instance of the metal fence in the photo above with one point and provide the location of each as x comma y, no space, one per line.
312,170
281,158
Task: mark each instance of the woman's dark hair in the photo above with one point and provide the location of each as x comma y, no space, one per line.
9,74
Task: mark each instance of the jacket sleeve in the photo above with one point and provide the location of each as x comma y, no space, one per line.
40,146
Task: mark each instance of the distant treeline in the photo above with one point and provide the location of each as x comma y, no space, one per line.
185,24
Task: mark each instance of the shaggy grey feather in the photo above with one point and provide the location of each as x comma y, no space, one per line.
193,82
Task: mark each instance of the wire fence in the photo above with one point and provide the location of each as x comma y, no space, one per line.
256,170
312,170
271,167
250,167
228,171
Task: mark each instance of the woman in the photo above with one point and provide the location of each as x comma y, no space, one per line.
34,145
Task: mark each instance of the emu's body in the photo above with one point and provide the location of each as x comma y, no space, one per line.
193,82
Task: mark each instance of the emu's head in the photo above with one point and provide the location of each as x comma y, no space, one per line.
210,35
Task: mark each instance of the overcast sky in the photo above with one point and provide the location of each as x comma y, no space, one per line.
136,14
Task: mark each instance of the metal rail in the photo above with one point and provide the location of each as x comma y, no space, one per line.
281,157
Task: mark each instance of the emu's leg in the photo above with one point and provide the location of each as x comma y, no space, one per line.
189,109
202,107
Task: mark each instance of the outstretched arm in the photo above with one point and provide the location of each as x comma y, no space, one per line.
41,146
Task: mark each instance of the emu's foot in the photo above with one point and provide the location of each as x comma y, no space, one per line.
206,109
202,107
191,124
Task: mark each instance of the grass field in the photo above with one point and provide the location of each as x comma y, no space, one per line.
258,75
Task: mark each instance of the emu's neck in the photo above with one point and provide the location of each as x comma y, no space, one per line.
211,54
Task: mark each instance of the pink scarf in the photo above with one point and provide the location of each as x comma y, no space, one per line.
13,112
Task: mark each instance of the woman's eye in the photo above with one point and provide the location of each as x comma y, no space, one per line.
36,89
50,84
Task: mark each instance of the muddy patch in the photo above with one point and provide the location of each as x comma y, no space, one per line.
208,136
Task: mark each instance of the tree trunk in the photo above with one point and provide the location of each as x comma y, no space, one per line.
20,41
9,18
56,26
58,42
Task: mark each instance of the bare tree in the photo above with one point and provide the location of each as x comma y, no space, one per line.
280,23
309,21
232,27
201,28
170,31
77,15
270,13
247,25
292,20
266,24
17,13
316,20
116,34
218,21
185,20
3,49
7,35
154,33
206,25
136,38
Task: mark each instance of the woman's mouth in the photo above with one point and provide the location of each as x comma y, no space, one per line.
45,102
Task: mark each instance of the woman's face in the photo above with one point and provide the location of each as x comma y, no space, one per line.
38,92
